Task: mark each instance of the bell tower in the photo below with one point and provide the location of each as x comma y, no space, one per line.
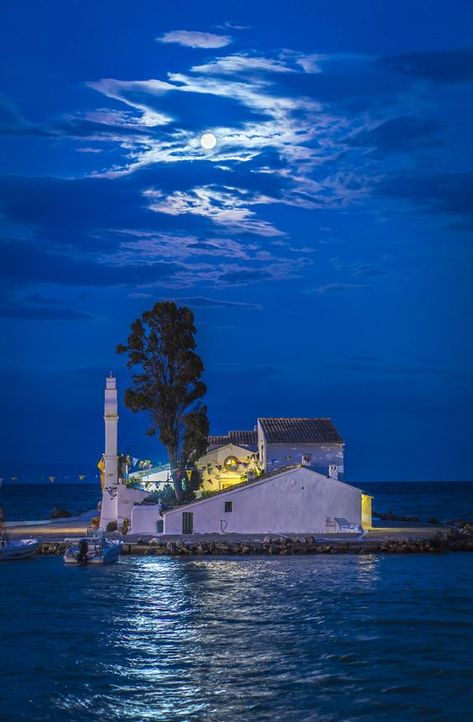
109,510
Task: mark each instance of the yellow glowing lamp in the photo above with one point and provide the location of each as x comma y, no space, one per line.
231,463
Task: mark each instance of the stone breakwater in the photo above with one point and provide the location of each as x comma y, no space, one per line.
283,546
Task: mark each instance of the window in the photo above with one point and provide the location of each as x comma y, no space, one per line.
187,522
231,463
228,506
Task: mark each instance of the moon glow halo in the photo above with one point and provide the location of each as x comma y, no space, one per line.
208,141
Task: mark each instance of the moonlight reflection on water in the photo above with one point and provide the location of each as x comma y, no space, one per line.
293,639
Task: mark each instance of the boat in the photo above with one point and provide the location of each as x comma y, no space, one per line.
93,550
17,549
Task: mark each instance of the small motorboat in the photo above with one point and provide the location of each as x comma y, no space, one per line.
17,549
93,550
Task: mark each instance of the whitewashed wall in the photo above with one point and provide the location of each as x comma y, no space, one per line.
297,501
323,455
274,456
144,519
126,499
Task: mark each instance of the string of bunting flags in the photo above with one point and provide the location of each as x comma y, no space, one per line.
52,478
139,463
136,464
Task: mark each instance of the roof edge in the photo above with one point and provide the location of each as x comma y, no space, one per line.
251,484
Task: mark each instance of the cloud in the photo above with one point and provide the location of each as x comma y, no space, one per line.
39,308
441,67
202,302
140,294
330,287
147,246
249,91
117,90
296,132
234,26
447,194
195,39
368,270
242,64
22,263
310,153
284,120
43,313
226,206
244,275
360,269
12,121
402,134
25,264
260,120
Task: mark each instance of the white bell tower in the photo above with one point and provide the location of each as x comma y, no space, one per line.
109,509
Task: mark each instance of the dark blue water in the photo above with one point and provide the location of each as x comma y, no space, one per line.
36,501
443,500
314,639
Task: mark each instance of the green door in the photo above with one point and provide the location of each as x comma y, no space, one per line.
187,522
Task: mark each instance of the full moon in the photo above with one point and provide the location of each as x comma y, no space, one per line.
208,141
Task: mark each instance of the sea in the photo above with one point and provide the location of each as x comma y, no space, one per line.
445,501
339,638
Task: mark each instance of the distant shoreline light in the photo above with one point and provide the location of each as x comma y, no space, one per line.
208,141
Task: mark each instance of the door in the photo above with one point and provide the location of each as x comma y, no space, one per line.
366,511
187,522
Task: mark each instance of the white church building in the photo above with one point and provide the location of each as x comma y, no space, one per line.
299,490
294,501
281,442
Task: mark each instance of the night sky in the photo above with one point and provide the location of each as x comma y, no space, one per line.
324,244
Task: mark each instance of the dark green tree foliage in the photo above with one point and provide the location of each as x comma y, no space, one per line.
167,384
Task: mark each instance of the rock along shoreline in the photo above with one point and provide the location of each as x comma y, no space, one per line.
282,546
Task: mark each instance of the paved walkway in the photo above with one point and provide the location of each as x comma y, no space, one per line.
52,529
57,529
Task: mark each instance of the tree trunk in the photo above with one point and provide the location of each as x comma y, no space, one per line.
176,481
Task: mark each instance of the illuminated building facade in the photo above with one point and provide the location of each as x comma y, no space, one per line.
291,501
227,465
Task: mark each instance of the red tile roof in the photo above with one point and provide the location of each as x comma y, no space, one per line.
300,431
239,438
243,438
219,440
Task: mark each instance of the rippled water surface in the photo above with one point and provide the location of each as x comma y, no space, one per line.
324,639
443,500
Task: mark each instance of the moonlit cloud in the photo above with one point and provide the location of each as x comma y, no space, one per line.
146,247
333,287
203,302
234,26
287,142
228,207
293,126
195,39
242,64
113,89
